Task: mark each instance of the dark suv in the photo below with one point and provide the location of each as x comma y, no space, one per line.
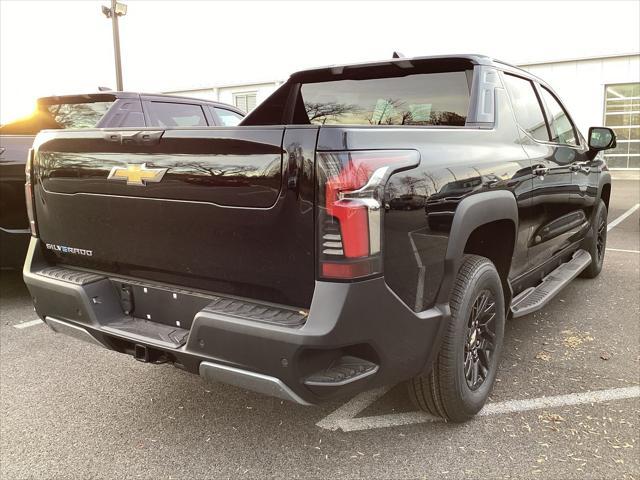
94,110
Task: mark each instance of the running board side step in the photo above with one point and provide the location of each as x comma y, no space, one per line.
535,298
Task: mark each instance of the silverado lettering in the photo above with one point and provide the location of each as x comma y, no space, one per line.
64,249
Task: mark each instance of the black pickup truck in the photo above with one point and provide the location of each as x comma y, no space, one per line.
365,225
94,110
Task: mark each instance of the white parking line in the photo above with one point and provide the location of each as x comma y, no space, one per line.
622,250
343,418
593,396
621,218
334,420
31,323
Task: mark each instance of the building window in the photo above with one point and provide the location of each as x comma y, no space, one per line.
245,101
622,114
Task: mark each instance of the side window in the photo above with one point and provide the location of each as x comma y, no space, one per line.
527,107
164,114
227,117
562,130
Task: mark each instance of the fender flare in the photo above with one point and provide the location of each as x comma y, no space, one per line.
473,212
604,179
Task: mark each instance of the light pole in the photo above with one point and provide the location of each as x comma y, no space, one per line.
116,10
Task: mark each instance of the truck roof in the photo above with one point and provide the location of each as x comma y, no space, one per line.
119,94
408,62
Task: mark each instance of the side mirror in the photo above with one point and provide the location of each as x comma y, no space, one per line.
601,138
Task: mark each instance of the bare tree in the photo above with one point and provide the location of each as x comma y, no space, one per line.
385,116
406,118
447,118
327,110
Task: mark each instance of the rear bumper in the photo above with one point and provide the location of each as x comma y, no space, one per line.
356,335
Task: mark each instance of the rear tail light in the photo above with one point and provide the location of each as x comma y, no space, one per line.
28,191
350,213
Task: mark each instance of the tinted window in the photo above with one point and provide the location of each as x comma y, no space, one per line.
59,115
227,117
421,99
78,115
562,130
526,107
176,115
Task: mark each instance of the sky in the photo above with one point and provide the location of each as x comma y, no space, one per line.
60,47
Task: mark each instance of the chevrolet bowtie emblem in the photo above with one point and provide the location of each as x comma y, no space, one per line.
137,174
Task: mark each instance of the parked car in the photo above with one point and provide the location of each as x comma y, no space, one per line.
95,110
303,265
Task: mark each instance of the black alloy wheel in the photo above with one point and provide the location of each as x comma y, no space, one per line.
481,335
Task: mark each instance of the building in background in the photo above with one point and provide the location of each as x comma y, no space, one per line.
596,90
245,96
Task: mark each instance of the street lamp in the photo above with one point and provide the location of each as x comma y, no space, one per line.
116,10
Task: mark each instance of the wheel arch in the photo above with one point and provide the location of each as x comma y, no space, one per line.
480,218
604,188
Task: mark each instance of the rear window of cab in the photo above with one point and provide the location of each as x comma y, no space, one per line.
420,99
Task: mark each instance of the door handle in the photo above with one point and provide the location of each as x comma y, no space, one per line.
540,170
580,167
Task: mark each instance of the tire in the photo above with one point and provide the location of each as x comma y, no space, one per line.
446,391
596,241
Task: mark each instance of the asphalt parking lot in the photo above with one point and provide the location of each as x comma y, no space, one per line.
566,404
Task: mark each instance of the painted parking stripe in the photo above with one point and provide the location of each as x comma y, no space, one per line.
622,250
597,396
622,217
31,323
353,407
351,424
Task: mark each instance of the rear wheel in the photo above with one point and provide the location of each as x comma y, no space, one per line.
464,371
597,242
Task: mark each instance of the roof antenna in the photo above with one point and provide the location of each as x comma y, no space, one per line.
401,63
104,89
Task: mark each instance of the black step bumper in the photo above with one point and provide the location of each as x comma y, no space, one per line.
355,336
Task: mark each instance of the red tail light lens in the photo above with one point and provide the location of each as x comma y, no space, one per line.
350,199
28,192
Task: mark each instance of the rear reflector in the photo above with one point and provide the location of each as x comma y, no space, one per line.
348,270
28,193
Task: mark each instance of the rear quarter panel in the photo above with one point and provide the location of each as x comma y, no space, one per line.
420,203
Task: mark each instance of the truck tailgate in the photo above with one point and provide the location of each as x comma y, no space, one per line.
217,209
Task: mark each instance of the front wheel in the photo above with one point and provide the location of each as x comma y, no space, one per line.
597,241
464,371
